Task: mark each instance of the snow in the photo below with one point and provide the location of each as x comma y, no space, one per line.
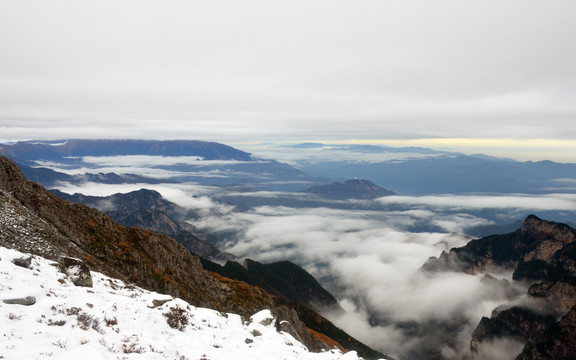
114,320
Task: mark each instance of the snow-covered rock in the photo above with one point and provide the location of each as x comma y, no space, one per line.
113,320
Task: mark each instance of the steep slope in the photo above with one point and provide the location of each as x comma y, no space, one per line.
536,240
148,210
281,278
539,251
112,318
36,221
558,342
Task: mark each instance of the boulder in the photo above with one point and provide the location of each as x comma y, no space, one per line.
27,301
76,270
23,262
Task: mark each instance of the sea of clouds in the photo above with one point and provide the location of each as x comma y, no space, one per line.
367,258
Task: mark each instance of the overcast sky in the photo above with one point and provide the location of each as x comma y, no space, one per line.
237,71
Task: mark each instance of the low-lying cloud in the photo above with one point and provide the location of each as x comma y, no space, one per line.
367,258
372,265
544,202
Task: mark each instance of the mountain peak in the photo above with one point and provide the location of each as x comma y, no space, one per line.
351,189
542,229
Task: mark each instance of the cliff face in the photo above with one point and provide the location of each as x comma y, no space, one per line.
35,220
558,342
537,240
542,239
541,253
517,323
560,293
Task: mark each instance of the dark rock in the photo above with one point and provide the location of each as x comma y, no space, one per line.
27,301
156,303
536,243
561,293
518,323
289,321
23,262
558,342
282,278
76,270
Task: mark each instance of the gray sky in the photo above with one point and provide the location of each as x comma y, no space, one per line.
238,71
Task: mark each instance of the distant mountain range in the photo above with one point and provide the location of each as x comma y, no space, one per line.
408,171
456,174
104,161
69,151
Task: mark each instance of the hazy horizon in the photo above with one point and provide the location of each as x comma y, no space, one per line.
477,77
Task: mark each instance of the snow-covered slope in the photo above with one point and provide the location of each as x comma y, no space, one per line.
113,320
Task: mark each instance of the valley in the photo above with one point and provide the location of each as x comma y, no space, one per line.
262,213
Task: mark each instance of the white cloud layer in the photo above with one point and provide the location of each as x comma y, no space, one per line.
365,257
544,202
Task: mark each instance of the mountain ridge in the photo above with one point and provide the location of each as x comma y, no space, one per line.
362,189
147,259
25,151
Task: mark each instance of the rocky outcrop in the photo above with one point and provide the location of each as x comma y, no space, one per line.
77,271
560,293
540,251
558,342
536,240
542,239
518,323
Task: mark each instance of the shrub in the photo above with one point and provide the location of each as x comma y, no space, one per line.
177,318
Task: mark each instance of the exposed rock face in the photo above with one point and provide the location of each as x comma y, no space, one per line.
561,293
76,270
518,323
293,326
539,251
543,238
558,342
536,240
36,221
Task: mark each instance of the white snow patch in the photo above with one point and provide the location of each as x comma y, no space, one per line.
113,320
